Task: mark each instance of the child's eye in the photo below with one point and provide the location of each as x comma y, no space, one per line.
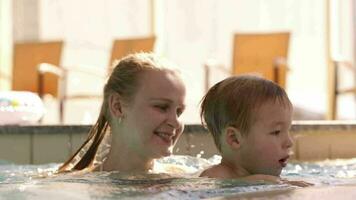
275,132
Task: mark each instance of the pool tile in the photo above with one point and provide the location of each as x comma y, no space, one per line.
50,148
15,148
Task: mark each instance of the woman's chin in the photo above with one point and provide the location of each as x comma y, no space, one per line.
164,153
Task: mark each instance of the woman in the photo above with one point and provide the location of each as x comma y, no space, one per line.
143,100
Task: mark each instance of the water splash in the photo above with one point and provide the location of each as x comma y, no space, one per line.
23,181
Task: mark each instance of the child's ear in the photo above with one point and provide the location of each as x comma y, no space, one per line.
233,137
115,105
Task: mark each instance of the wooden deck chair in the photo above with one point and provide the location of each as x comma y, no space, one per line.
123,47
262,53
337,90
27,57
120,48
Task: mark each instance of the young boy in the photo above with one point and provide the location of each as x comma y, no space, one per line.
249,118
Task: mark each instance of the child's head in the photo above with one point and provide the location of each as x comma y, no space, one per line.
241,106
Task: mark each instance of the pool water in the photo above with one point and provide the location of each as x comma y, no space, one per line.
36,181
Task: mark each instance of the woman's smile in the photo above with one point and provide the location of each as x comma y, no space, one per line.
166,137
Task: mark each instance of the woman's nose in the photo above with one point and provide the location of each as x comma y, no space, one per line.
174,121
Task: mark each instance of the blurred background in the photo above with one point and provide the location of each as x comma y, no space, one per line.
198,35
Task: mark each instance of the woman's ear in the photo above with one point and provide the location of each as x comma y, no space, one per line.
233,137
115,105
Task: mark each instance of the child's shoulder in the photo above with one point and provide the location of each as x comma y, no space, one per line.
216,171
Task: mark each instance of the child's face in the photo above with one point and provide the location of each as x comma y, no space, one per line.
266,147
152,125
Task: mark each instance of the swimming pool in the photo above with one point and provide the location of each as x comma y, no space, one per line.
41,144
337,177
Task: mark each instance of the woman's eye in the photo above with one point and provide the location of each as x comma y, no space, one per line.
275,132
162,107
179,112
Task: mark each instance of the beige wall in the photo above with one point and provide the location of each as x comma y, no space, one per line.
311,142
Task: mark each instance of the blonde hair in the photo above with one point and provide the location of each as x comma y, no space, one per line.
124,80
232,102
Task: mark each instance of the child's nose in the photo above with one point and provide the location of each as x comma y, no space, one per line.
288,143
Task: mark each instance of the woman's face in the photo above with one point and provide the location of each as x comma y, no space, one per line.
151,124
